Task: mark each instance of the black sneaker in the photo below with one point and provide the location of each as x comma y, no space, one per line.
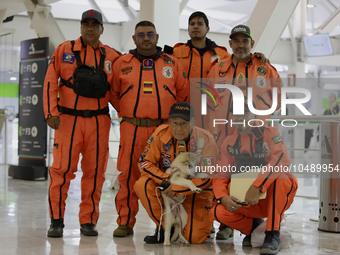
56,228
271,244
154,238
88,229
247,240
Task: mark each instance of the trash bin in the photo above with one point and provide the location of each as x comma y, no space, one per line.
329,210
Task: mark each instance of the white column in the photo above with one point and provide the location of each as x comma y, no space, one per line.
268,21
165,15
2,17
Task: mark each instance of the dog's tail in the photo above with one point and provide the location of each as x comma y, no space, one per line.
176,233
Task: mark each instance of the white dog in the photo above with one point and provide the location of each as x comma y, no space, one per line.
176,215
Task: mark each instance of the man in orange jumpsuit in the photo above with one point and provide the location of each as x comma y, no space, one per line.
166,142
242,70
258,147
80,116
147,82
197,56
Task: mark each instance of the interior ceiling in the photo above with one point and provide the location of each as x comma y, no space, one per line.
223,14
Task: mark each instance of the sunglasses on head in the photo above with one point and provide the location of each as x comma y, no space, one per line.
149,35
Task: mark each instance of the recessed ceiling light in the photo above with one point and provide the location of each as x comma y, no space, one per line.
310,6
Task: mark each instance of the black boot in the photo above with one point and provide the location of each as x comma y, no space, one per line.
56,228
88,229
271,244
154,238
247,240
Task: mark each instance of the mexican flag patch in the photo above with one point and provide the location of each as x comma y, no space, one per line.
277,139
208,161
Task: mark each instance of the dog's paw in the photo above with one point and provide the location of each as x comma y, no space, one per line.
166,243
185,241
197,190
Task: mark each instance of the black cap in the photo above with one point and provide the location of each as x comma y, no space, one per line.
201,15
183,110
241,29
92,14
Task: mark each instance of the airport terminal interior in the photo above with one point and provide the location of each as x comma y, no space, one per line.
301,38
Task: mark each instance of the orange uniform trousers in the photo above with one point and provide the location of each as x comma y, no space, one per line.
280,196
199,224
132,143
90,137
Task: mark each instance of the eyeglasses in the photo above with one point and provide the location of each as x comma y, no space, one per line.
149,35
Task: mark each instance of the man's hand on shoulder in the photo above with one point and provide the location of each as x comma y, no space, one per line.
263,58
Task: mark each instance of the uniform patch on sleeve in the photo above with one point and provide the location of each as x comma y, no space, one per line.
144,164
261,70
208,161
67,57
166,162
151,139
277,139
52,60
108,66
169,61
266,149
167,146
231,150
200,142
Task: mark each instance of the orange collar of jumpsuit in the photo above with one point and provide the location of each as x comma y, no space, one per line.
185,48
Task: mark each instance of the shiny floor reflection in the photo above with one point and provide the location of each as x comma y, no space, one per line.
24,222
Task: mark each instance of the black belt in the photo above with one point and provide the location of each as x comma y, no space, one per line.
145,122
85,113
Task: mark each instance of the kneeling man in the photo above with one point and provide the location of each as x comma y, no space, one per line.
250,147
168,141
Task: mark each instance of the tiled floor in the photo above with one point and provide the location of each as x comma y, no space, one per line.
24,222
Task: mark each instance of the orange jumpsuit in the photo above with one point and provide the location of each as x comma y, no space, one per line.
143,90
197,66
280,186
249,74
76,134
159,152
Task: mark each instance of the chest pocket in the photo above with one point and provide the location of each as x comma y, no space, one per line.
88,81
